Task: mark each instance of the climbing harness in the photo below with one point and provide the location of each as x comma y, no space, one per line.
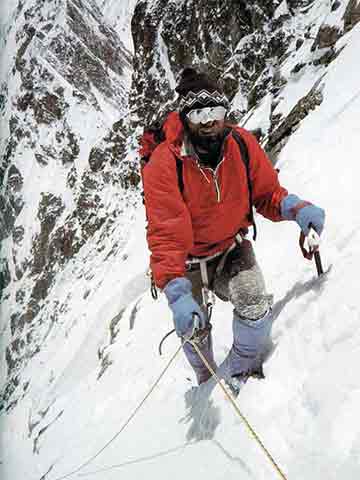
208,297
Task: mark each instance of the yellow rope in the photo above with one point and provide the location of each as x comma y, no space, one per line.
243,418
206,363
127,421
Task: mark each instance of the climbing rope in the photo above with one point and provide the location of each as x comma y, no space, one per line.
127,421
243,418
192,342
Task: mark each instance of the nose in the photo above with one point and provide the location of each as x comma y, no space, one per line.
208,123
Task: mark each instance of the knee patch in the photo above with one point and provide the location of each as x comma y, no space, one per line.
248,294
254,311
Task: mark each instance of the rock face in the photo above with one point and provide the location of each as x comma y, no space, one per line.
249,47
73,100
66,86
231,40
280,135
352,15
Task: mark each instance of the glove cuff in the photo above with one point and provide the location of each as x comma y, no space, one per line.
176,288
291,205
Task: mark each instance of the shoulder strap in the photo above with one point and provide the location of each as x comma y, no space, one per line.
244,153
179,169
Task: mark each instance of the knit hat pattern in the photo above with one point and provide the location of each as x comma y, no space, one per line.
197,90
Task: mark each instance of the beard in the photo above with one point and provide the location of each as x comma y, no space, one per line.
208,147
209,143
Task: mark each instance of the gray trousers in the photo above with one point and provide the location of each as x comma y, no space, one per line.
241,282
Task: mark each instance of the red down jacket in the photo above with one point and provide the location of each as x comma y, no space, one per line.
213,206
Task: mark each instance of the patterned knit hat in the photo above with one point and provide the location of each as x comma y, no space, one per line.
197,90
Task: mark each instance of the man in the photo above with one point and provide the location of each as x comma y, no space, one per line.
197,234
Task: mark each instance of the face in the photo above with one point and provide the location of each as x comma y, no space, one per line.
211,129
206,125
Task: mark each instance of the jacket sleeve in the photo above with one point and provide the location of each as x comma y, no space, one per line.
169,229
267,191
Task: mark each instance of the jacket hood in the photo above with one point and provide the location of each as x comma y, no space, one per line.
173,129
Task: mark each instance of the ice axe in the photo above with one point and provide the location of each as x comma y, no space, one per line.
313,242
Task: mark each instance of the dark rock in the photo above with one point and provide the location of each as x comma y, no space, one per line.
111,150
13,124
5,277
72,177
179,27
327,36
64,244
72,149
130,180
48,153
41,159
42,285
298,67
21,267
29,32
335,5
88,205
7,217
299,43
18,234
352,15
91,58
25,101
15,180
97,159
33,308
14,324
281,134
258,92
47,27
20,296
328,56
11,362
48,108
3,96
293,4
12,202
50,208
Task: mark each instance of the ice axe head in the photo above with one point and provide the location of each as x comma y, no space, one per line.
313,243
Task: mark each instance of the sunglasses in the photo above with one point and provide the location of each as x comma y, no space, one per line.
207,114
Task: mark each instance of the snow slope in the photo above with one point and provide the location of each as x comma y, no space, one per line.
118,14
306,410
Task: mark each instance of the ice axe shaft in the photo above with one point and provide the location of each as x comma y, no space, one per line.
318,263
313,241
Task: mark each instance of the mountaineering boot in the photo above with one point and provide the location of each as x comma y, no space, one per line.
205,346
251,339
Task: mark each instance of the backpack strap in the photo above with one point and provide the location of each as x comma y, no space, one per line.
244,153
179,170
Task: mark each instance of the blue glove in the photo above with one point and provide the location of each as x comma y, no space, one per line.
183,305
304,213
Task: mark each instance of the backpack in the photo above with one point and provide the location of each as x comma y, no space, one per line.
154,135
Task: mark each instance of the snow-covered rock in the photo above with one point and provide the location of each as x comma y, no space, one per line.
79,330
65,79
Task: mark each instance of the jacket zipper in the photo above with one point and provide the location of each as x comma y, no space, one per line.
214,175
217,187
